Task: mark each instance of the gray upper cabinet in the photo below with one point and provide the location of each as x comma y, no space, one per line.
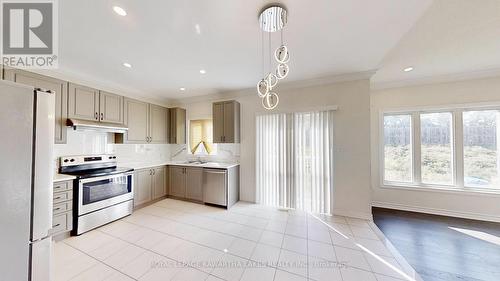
194,183
136,118
218,122
177,125
83,102
177,181
147,123
91,104
226,122
110,108
159,182
59,87
158,124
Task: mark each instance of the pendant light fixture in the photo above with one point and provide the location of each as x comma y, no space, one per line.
273,18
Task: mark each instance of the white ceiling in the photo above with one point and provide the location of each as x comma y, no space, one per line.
453,39
159,39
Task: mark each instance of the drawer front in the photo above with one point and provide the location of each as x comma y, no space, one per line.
63,186
63,196
62,207
63,222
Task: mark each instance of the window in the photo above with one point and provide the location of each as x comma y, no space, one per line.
456,148
481,157
200,137
397,148
436,148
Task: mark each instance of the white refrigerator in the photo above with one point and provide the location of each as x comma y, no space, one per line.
26,175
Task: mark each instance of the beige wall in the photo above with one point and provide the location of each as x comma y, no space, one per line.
352,137
472,205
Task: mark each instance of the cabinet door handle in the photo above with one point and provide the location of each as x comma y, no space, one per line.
58,197
154,172
96,116
57,209
102,116
56,225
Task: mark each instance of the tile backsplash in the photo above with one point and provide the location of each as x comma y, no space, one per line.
95,142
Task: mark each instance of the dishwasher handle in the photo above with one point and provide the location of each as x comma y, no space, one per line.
215,171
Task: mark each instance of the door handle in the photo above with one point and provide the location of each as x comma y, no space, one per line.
102,116
96,116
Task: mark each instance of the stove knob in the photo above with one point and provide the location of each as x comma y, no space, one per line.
114,157
66,160
72,160
110,157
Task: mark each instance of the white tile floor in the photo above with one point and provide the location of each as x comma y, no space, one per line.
176,240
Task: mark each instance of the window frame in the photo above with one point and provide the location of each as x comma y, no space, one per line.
457,149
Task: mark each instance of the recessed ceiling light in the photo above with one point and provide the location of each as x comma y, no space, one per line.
203,71
197,28
408,69
182,89
126,64
120,11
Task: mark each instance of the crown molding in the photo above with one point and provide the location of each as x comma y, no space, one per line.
438,79
79,78
289,85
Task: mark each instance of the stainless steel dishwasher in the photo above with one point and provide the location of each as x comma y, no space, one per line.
215,186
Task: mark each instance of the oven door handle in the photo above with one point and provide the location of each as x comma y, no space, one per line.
105,177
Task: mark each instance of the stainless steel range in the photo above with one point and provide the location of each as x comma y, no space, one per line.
103,192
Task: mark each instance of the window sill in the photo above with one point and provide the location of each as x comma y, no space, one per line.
442,189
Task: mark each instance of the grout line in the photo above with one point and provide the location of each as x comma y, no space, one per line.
182,212
85,253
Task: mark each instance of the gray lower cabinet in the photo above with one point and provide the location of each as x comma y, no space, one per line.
143,186
59,87
194,183
150,184
159,182
177,125
62,220
177,181
226,122
186,182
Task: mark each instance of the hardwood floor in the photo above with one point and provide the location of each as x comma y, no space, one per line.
443,248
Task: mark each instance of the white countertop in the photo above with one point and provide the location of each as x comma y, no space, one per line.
145,165
62,177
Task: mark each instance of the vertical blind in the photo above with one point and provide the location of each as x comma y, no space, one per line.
294,160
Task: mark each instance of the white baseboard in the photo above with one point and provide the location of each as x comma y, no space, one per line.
434,211
353,214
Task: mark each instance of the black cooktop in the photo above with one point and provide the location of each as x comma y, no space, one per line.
84,174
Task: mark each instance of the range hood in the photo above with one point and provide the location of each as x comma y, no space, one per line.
80,124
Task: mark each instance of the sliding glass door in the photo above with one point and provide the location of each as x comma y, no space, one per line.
294,160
